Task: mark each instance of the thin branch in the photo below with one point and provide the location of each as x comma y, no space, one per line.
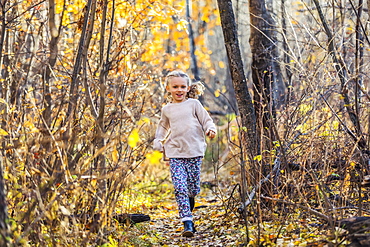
312,211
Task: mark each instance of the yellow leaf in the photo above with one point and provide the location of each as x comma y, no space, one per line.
115,155
258,158
217,93
3,132
290,227
133,138
144,120
93,182
3,101
31,126
154,157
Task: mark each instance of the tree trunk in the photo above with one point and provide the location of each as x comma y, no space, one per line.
73,95
3,29
243,97
194,64
266,72
53,47
359,57
69,138
4,228
287,58
244,100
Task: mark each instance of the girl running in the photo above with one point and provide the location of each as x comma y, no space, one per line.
181,136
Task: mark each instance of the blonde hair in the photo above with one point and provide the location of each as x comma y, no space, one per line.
196,88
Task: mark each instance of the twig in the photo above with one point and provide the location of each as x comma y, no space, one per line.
318,214
253,193
349,207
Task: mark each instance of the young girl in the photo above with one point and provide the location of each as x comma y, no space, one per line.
181,136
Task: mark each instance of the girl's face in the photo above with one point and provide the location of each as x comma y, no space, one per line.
178,88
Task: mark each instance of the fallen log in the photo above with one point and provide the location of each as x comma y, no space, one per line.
358,230
131,218
121,218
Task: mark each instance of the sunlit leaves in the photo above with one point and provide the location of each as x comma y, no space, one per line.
217,93
30,126
3,132
304,108
154,157
115,155
133,138
258,158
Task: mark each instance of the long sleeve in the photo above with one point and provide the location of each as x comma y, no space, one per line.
161,133
187,122
204,119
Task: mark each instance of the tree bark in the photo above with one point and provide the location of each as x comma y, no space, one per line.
73,96
194,64
248,118
80,62
266,72
243,97
4,228
236,68
3,28
53,47
287,58
359,55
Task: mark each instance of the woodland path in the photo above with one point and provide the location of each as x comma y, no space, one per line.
214,227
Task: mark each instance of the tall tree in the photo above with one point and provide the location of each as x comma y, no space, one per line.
194,64
244,100
266,72
3,203
4,228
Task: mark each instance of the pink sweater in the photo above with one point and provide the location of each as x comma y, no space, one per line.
188,122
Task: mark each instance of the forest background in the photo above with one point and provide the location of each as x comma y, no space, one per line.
82,86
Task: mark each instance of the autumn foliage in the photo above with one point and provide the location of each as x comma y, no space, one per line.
80,97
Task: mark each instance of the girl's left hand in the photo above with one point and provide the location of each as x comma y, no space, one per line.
211,134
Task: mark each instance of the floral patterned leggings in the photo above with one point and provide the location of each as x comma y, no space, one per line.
185,174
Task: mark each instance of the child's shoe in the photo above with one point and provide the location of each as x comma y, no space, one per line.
188,229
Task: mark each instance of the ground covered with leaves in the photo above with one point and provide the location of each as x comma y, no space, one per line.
219,224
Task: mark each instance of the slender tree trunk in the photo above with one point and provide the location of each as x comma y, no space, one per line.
73,96
4,228
53,47
3,16
80,62
359,61
286,51
104,69
266,72
3,59
243,97
194,63
248,118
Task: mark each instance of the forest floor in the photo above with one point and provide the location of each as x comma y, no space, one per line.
219,227
216,218
214,226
